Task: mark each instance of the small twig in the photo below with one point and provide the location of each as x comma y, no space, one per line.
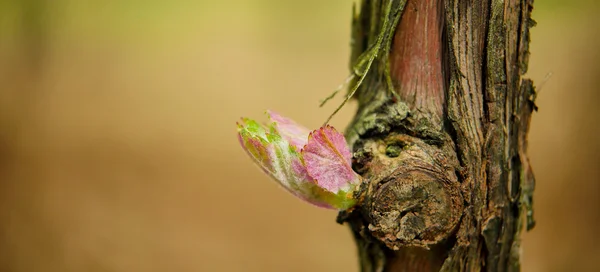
337,90
539,88
372,53
354,89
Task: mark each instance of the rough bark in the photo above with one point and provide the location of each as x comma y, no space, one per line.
440,135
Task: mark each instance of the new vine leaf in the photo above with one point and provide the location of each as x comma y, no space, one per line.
314,166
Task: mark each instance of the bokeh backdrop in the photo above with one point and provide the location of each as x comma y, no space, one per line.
118,149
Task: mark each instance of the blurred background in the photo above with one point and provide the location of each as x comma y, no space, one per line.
118,149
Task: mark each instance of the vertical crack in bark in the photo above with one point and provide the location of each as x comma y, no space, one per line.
466,25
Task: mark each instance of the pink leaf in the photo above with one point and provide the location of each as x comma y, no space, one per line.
275,148
291,131
328,160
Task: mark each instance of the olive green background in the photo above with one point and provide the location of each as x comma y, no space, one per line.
118,149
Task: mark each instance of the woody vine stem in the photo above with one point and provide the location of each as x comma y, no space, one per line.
440,135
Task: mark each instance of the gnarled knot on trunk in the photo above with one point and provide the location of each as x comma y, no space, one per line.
412,197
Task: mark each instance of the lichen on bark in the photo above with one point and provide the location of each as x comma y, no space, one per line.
440,134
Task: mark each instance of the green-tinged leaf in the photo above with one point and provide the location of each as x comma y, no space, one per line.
283,162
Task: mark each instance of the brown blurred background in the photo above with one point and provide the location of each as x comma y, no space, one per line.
118,148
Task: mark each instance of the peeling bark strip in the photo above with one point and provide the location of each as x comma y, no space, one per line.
440,135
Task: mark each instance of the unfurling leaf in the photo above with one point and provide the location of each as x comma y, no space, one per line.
328,160
315,168
295,134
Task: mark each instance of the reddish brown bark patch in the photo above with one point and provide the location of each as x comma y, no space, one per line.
416,56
